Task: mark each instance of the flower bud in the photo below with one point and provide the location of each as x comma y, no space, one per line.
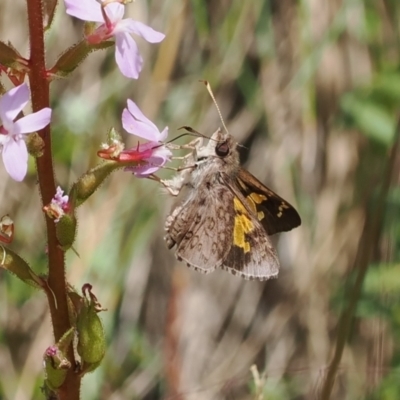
61,210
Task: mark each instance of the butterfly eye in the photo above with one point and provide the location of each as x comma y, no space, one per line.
222,149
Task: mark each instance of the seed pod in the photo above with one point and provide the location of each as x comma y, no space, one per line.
91,338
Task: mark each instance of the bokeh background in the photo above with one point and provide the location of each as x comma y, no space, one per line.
311,89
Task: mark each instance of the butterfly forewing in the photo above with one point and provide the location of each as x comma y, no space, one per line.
274,213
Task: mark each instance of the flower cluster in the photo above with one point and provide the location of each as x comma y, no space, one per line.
151,155
104,21
113,25
23,133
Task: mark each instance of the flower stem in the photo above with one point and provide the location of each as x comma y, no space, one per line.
57,293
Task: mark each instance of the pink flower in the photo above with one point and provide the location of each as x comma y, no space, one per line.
156,154
12,144
59,205
112,24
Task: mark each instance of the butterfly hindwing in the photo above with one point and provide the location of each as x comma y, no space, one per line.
251,255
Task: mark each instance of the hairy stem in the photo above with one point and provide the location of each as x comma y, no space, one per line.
57,295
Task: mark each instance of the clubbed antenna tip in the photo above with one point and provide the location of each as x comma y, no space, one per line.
216,104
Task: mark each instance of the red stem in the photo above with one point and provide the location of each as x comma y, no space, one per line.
57,295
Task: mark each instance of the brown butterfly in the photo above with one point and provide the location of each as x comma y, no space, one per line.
226,214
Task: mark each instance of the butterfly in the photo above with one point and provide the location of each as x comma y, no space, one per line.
225,215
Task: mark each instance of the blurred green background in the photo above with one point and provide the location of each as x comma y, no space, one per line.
311,89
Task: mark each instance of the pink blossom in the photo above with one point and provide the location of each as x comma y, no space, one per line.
58,206
111,25
12,144
136,123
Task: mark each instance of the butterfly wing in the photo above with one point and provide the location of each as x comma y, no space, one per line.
274,213
218,229
251,254
201,229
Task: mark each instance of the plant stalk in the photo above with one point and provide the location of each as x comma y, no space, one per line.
57,285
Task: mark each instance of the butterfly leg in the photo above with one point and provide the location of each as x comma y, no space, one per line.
193,145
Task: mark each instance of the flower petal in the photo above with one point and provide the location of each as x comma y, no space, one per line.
138,116
135,122
164,134
139,128
13,102
115,12
33,122
127,55
140,29
15,158
86,10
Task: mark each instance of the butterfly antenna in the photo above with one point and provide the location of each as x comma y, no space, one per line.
216,104
190,132
193,131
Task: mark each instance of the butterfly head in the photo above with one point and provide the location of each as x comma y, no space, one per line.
221,148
